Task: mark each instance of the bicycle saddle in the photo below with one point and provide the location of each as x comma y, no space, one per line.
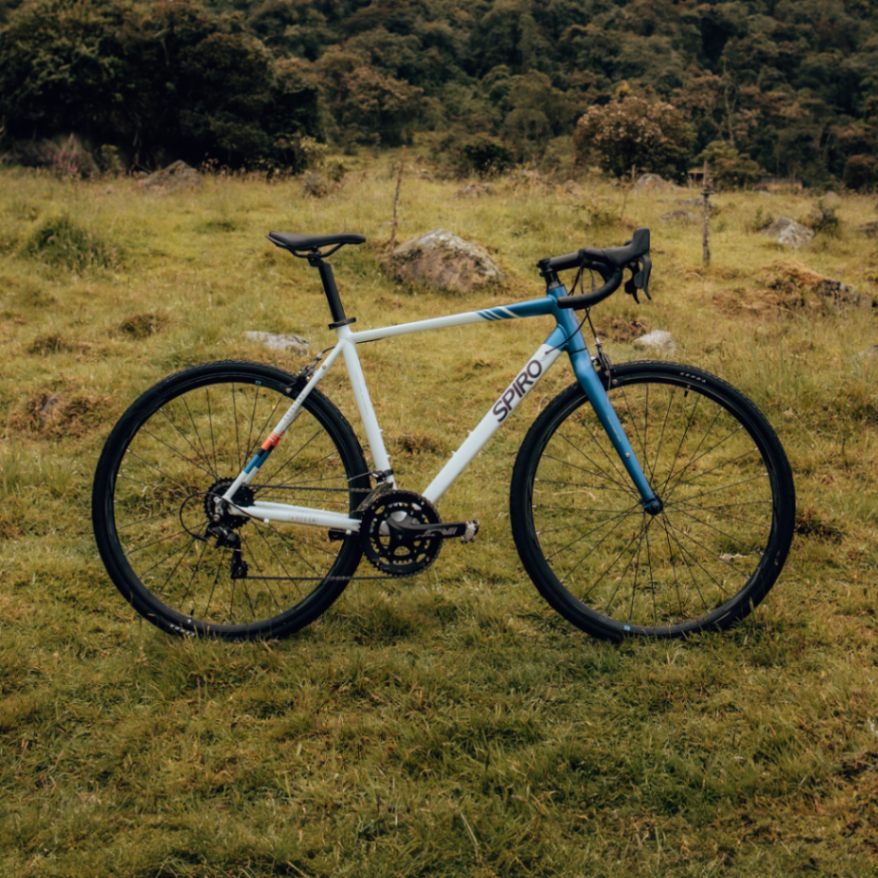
312,243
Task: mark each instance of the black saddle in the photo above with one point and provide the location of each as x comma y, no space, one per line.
304,245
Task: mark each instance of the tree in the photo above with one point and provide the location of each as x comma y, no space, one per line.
634,131
728,168
368,106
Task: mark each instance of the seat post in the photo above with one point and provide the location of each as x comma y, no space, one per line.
336,309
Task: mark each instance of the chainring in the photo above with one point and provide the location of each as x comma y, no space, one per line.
390,551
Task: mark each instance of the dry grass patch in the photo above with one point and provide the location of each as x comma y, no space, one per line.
140,326
57,415
789,288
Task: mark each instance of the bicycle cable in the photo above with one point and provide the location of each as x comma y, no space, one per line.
578,280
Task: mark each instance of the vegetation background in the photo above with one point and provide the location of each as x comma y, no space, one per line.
762,87
450,724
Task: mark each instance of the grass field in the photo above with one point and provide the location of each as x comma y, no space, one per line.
449,724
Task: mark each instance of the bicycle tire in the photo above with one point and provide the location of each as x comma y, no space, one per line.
569,493
186,436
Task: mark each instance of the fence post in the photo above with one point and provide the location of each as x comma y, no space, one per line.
395,221
705,236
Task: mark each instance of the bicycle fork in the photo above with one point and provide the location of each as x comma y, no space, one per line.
568,334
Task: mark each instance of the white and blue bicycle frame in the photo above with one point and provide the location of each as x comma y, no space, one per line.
566,337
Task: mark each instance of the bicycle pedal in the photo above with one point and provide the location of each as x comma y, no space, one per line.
472,528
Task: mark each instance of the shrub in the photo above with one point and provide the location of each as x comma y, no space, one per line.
861,172
824,219
482,154
61,241
728,168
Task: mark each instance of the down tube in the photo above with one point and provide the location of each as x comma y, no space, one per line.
508,401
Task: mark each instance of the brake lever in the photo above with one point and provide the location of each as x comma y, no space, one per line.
639,279
631,286
642,278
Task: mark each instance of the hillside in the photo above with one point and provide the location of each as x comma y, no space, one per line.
782,89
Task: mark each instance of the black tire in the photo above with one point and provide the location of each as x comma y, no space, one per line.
707,559
184,436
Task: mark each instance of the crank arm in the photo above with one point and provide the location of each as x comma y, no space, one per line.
466,530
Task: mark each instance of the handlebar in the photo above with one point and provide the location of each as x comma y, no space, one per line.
610,264
610,286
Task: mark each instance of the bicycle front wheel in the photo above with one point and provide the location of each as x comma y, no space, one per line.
614,570
154,507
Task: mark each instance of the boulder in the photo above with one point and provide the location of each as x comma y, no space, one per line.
444,261
276,342
177,175
475,190
659,341
648,182
788,232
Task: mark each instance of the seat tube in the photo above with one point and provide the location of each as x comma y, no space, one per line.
580,360
364,404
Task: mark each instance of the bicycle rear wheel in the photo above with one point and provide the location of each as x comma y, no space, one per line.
707,559
176,449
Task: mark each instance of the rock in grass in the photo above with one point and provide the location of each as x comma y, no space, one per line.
277,342
659,341
788,232
444,261
679,216
474,190
649,182
177,175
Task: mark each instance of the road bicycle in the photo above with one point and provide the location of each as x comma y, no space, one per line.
234,500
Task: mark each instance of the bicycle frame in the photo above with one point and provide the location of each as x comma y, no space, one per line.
566,337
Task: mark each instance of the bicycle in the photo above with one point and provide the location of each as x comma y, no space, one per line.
663,508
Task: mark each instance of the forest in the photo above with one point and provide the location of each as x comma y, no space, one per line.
761,88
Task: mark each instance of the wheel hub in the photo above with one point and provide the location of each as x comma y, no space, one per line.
219,511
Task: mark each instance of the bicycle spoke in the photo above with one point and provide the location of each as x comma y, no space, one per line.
296,453
700,545
210,423
607,569
682,440
205,469
748,453
640,440
597,471
614,464
599,474
192,576
240,460
197,436
603,524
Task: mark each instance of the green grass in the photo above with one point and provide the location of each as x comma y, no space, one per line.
450,724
